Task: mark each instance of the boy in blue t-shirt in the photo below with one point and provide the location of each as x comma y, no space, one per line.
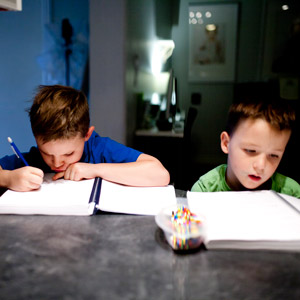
68,146
255,140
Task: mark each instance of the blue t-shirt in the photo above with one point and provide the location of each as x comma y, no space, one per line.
96,150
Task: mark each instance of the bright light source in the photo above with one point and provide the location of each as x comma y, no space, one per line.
210,27
162,50
208,14
198,14
155,99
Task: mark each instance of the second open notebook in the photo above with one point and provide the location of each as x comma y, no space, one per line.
65,197
248,220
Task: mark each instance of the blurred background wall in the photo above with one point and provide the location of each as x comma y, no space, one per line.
120,36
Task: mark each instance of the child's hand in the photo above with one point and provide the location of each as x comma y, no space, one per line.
76,172
25,179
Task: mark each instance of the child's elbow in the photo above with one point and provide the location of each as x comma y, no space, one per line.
165,177
160,175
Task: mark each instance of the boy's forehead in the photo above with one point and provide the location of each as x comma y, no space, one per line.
60,145
43,140
261,132
259,124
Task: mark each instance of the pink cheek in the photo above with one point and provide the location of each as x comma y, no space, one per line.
47,160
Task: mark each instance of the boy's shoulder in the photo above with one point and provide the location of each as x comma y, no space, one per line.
285,185
100,149
216,173
33,157
212,181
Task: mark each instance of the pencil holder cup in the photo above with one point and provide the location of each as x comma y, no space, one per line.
183,230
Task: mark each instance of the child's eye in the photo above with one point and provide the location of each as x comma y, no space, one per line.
274,156
249,151
69,154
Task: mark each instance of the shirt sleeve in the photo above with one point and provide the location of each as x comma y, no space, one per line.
199,186
212,181
33,157
285,185
118,153
11,162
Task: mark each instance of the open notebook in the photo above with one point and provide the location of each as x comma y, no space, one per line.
65,197
248,220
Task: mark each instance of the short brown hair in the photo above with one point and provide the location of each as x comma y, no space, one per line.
59,112
278,113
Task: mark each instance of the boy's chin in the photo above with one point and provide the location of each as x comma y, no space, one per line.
259,186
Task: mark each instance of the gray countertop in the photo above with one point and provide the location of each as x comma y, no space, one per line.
115,256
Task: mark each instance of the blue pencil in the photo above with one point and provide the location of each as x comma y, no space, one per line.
16,150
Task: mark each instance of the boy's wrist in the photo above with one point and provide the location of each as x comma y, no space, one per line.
98,170
5,178
93,170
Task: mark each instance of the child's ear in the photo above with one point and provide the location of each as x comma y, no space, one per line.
89,133
225,138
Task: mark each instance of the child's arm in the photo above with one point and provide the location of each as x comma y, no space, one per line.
145,171
22,179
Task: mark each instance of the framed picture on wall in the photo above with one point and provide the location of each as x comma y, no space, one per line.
212,42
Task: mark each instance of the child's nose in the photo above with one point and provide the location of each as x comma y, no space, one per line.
260,163
57,162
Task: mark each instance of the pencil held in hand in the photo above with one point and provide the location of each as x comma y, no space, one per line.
16,151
